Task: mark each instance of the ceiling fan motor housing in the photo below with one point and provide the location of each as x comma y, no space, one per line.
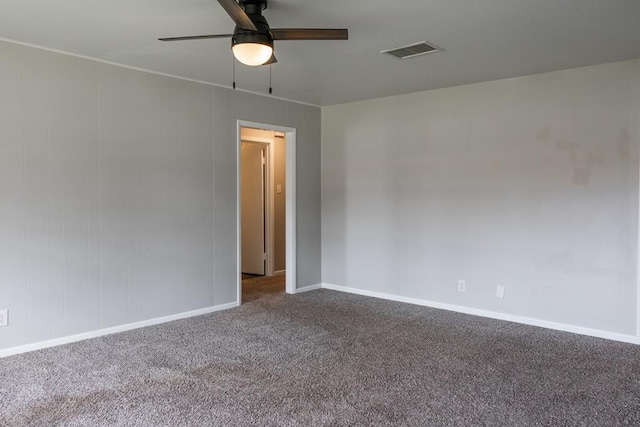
250,6
253,9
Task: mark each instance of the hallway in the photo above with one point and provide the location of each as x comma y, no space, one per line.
255,287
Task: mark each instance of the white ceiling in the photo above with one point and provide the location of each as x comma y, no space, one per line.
483,40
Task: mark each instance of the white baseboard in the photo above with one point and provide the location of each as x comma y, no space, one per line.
491,314
108,331
444,306
309,288
280,272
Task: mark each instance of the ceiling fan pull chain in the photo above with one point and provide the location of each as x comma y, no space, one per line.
270,85
233,59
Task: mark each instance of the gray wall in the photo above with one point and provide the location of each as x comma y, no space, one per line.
118,193
530,183
230,106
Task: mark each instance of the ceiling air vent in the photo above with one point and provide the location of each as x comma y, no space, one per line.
412,50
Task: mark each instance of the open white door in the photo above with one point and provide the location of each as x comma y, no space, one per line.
253,208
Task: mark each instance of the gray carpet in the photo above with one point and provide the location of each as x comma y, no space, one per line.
330,359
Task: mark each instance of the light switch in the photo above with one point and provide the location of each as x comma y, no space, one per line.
279,188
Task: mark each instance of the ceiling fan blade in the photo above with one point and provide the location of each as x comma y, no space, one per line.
238,15
273,60
309,34
210,36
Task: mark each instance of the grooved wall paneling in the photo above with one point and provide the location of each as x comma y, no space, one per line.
117,193
87,192
13,259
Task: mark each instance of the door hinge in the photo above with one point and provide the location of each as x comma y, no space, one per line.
264,256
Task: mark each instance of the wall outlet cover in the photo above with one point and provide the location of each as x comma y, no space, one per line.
500,291
462,286
4,318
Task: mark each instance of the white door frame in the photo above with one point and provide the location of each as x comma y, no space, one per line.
290,201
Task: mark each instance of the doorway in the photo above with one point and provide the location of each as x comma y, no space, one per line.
266,210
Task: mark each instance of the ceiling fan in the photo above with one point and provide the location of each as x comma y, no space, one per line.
252,39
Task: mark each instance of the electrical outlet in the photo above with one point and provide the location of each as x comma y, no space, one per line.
4,318
462,286
500,291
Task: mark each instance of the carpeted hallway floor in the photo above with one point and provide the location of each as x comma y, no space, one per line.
254,287
326,358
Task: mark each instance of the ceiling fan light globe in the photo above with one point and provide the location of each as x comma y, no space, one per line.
252,54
